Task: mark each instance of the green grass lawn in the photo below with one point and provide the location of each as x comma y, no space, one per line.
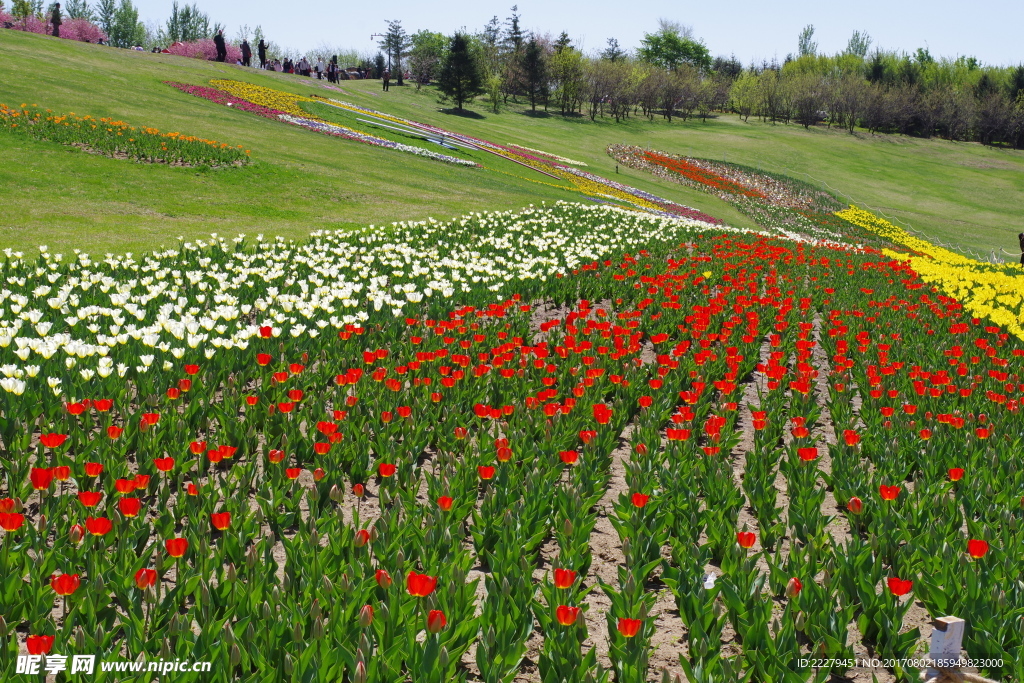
301,181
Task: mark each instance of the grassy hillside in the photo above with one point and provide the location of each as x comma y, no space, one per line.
301,181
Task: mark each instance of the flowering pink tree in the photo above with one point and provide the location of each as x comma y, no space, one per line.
72,29
204,49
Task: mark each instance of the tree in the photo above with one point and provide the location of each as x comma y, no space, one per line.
426,55
187,24
105,10
21,9
535,73
743,94
671,47
396,45
859,44
125,28
460,78
79,9
805,42
563,42
567,69
613,53
379,64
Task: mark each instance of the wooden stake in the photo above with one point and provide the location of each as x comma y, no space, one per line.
947,638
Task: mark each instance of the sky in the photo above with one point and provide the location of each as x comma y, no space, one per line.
751,30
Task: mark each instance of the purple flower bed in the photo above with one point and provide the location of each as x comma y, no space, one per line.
72,29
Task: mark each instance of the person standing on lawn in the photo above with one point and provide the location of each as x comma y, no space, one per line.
222,50
261,52
246,53
386,77
55,20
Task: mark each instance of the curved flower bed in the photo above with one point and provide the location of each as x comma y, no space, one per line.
118,139
276,104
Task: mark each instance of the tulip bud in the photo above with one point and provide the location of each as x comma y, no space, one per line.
41,524
250,633
800,621
567,528
345,584
314,610
360,674
318,629
3,627
286,583
442,658
793,588
365,648
231,574
666,677
400,559
489,638
229,634
267,614
297,632
289,665
506,588
97,637
79,636
335,494
236,655
251,557
314,538
19,506
629,588
204,592
75,535
328,586
365,616
165,650
150,595
258,516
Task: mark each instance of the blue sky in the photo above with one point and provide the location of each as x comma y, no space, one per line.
750,29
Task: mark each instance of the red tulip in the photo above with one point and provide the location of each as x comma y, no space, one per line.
564,578
275,456
386,469
851,438
176,547
629,627
150,419
11,521
358,490
362,537
420,585
793,588
746,539
220,520
319,474
956,474
75,408
889,492
197,447
899,587
144,578
141,481
569,457
129,507
445,503
173,393
266,331
41,478
263,358
93,469
65,584
102,405
124,485
295,395
61,472
293,472
252,400
114,432
808,454
6,504
39,645
191,369
192,490
976,548
98,526
460,432
855,505
52,440
640,499
566,615
164,464
383,578
89,498
436,621
485,472
925,434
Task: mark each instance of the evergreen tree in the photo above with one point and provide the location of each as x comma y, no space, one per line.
562,43
105,11
460,78
79,9
396,45
613,53
805,42
535,73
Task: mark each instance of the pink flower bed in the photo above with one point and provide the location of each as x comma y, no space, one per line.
204,49
71,29
222,97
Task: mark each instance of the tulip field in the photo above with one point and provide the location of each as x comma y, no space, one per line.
567,444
